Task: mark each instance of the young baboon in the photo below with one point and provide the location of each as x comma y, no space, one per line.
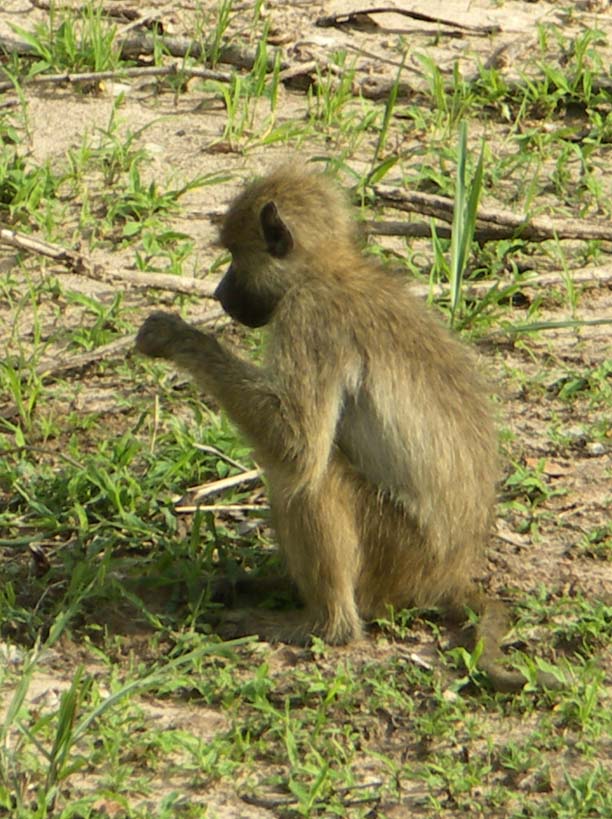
368,417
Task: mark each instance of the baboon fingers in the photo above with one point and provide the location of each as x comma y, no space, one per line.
159,334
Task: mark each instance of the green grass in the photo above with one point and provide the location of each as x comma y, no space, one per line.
117,697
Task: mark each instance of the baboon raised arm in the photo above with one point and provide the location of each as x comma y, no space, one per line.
367,415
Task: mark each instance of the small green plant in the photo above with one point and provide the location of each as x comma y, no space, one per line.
529,482
222,22
24,386
108,320
597,543
464,219
332,92
462,235
27,192
63,43
375,174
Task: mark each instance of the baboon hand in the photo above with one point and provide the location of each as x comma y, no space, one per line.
161,333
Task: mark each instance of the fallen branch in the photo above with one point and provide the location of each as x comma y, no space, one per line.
495,223
295,76
119,74
50,368
412,230
588,277
84,266
539,326
111,10
143,43
334,20
189,285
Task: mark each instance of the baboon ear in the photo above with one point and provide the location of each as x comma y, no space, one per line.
279,240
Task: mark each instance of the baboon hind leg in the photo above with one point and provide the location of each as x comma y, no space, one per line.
317,535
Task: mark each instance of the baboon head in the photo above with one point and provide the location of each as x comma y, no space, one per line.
275,229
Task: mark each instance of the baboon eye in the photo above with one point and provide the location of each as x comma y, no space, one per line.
277,235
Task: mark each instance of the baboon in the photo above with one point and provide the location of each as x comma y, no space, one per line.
369,418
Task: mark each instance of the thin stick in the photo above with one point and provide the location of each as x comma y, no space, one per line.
501,223
84,266
78,263
51,368
412,230
119,74
248,479
588,277
353,16
238,507
43,450
112,10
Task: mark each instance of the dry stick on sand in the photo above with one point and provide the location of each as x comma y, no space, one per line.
222,507
179,47
51,368
110,9
80,264
138,44
84,266
121,74
588,277
355,16
212,450
493,223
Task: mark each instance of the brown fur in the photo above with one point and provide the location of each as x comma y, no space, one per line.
368,417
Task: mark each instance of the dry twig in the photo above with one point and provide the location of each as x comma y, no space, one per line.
588,277
357,16
120,74
494,223
248,479
142,43
79,263
223,507
110,9
411,230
